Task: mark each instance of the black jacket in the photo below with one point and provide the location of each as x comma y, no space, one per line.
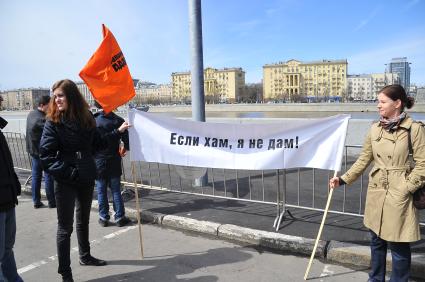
10,187
108,161
35,125
66,151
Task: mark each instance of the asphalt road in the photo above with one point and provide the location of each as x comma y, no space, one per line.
169,255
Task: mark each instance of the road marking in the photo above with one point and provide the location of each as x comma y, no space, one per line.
31,266
37,264
326,272
25,199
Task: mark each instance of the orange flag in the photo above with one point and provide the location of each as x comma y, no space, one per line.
107,75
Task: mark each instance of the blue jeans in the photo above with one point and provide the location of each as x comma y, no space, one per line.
401,258
8,270
102,197
36,173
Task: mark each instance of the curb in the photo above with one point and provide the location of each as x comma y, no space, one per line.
189,224
353,255
350,254
260,238
272,240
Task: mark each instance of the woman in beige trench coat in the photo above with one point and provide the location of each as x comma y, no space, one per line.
389,212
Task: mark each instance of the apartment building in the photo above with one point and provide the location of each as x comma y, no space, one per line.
220,85
420,95
149,92
360,87
22,99
86,92
296,80
401,67
366,87
380,80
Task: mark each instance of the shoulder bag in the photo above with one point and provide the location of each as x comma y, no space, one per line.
419,195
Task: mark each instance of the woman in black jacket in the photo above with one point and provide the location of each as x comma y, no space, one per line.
67,146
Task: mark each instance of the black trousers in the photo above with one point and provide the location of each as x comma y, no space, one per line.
68,197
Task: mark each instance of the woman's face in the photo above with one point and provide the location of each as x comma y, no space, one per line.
388,108
60,99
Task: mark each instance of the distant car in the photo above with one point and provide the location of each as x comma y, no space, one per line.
143,108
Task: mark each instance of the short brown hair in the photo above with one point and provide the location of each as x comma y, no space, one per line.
43,100
78,110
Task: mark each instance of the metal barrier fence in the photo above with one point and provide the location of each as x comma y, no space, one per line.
17,146
302,188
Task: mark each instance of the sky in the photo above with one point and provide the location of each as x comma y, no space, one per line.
42,41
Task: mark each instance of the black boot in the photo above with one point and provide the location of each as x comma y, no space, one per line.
89,260
67,279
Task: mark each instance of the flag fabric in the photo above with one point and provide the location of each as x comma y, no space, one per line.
314,143
107,75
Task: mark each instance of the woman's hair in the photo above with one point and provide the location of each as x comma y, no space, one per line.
395,92
77,108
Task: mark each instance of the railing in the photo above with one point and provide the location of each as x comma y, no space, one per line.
302,188
17,146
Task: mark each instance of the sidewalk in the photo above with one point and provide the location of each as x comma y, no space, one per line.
344,238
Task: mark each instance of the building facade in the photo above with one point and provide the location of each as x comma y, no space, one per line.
296,80
401,67
150,93
144,84
380,80
420,95
86,93
360,87
366,87
220,85
23,99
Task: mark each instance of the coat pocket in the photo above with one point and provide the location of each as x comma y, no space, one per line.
398,186
374,177
373,171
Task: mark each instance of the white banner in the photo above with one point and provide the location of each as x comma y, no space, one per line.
314,143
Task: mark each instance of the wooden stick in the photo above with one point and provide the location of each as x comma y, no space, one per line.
320,231
138,209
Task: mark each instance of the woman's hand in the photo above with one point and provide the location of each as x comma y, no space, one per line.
334,182
123,127
122,151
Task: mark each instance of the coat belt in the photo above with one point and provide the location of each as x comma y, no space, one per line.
392,168
386,169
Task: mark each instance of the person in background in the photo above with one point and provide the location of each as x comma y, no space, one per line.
108,163
389,214
67,145
35,125
10,188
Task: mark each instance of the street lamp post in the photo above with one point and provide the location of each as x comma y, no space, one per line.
198,95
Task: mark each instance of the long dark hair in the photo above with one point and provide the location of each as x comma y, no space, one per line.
395,92
77,108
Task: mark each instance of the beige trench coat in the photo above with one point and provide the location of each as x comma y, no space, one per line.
389,210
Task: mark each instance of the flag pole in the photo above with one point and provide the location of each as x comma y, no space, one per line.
320,231
138,208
